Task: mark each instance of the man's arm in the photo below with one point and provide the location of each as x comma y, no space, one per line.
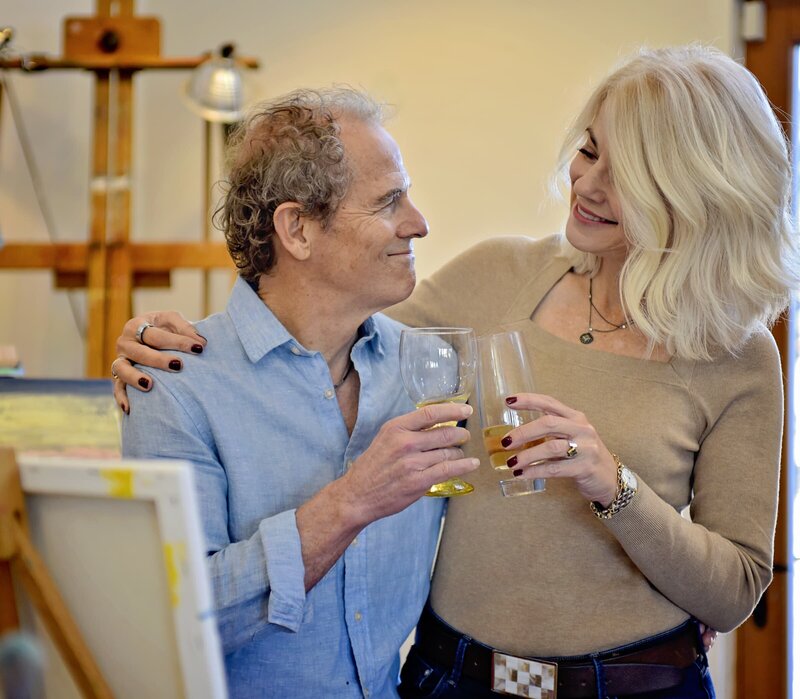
404,460
263,579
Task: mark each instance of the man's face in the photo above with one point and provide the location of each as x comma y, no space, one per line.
366,255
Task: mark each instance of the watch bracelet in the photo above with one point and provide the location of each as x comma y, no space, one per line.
621,499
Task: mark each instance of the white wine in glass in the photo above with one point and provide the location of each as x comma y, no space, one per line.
437,365
504,370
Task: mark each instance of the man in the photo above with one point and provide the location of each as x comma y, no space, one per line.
310,460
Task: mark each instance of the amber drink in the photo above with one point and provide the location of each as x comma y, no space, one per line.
437,365
504,370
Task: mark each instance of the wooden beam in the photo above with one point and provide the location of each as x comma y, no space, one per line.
141,280
119,272
157,257
71,258
96,268
39,62
63,257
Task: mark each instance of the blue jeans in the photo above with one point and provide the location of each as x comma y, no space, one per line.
421,679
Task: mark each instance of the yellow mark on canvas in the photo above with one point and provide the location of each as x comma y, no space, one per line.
120,481
174,557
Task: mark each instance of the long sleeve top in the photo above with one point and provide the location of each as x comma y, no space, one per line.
541,575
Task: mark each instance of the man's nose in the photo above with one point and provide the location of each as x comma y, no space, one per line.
414,224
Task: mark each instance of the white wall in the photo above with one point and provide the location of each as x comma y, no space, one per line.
482,93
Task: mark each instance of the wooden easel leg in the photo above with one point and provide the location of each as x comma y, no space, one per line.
96,263
119,269
9,619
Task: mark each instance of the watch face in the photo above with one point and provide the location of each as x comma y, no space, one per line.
629,479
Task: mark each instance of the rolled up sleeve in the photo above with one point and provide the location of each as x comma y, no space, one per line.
284,560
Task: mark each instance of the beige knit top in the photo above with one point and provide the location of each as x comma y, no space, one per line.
540,574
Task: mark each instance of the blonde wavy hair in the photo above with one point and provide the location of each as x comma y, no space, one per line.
701,168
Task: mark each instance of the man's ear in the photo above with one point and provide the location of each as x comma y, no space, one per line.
291,229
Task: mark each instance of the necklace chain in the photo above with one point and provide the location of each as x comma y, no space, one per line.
587,338
344,376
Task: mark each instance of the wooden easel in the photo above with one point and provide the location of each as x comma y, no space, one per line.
114,44
19,557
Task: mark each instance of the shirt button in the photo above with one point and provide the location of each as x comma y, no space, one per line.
366,693
295,350
349,463
355,542
358,616
329,393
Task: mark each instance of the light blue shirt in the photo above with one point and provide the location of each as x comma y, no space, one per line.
257,415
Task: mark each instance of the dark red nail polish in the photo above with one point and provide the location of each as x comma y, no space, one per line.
197,349
511,462
517,472
144,383
506,441
175,365
511,400
127,410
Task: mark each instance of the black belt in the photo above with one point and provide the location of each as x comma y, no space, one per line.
658,663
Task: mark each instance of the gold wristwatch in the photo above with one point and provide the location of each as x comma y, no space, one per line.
627,485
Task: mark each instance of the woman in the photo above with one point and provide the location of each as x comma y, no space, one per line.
660,387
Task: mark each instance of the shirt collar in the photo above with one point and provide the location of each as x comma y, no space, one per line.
370,335
260,331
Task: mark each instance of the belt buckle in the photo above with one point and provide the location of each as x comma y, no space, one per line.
523,677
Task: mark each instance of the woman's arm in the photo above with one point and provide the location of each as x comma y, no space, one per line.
716,566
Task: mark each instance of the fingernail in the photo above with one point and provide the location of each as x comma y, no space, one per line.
197,349
476,462
506,441
517,472
175,365
127,409
511,400
511,462
144,383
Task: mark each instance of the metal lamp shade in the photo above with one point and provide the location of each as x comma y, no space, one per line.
215,91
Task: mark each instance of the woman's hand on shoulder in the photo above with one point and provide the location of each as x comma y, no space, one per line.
141,339
562,443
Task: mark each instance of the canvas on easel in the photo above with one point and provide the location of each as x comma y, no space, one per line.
65,417
122,541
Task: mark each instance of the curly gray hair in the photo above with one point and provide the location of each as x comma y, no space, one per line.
287,150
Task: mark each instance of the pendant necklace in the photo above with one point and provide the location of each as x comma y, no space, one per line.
587,338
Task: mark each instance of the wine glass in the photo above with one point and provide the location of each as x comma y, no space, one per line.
437,365
505,369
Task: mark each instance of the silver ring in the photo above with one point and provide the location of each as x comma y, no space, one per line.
140,331
113,372
572,449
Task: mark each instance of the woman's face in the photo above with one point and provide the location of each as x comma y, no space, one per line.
595,221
